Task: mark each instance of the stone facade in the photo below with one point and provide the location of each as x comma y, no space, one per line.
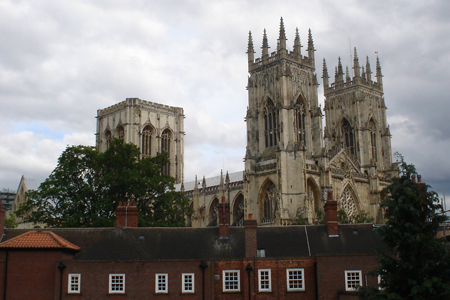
291,161
153,127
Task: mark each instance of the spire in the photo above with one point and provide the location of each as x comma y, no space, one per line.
196,184
221,179
297,45
378,74
204,183
282,39
356,65
340,72
182,186
368,70
227,181
363,74
311,47
347,75
250,49
325,74
265,48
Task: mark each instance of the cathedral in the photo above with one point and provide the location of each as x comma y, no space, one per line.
291,161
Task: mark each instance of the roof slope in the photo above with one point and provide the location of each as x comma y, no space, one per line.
38,239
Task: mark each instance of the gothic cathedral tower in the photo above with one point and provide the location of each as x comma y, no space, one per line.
284,129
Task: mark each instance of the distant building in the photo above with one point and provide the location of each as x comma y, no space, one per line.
26,184
7,198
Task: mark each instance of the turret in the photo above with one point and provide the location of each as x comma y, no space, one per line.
282,51
368,70
297,45
339,73
311,48
250,50
325,74
265,48
347,76
356,66
378,74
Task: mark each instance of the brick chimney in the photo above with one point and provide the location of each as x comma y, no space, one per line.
331,215
2,220
224,218
127,214
251,243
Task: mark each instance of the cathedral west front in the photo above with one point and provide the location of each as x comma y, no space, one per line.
291,161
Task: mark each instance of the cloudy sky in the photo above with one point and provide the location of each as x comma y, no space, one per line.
60,61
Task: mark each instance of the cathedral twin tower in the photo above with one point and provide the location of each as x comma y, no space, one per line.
291,161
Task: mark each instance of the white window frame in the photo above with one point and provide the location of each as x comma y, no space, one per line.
112,283
74,288
264,284
295,281
234,273
351,283
158,288
184,276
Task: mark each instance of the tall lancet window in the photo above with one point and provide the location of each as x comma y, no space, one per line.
271,129
373,139
146,147
120,132
269,204
349,137
165,147
108,138
300,122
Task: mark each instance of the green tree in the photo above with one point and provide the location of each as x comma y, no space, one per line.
418,266
86,186
360,217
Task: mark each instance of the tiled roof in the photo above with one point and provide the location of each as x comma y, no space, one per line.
39,239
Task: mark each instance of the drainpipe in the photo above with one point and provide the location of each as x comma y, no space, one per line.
6,275
203,266
249,270
61,268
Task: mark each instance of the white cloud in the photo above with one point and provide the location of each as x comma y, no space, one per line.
61,61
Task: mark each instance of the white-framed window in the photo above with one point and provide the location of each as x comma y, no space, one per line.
74,283
264,280
116,283
295,280
231,281
188,282
161,283
352,280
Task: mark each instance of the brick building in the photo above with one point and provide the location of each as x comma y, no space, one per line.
223,262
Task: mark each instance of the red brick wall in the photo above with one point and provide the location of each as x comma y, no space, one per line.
31,274
331,274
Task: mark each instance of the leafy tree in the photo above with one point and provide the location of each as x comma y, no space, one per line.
11,221
360,217
419,265
86,186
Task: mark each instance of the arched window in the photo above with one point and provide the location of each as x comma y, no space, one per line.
213,212
349,137
238,211
269,204
300,122
146,147
108,138
165,147
373,139
120,132
347,202
271,129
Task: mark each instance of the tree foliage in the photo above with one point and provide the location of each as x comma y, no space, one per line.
419,265
86,186
360,217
